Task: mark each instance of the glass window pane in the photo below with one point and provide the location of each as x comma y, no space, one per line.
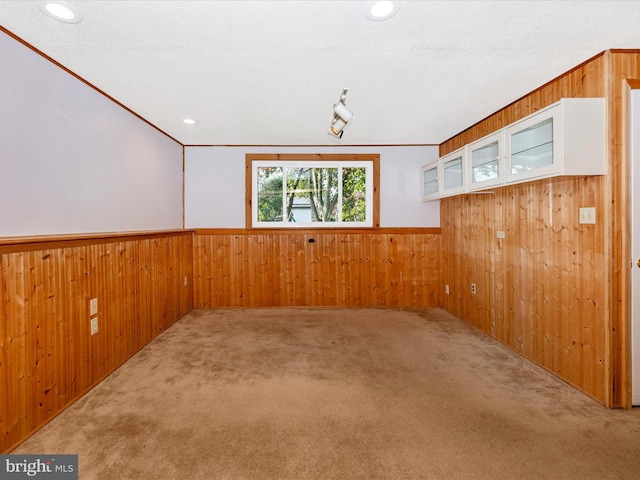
312,194
532,148
354,194
317,193
269,194
453,173
484,163
430,178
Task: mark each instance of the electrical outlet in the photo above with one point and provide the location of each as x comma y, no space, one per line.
94,325
446,289
473,288
588,215
93,306
500,234
186,281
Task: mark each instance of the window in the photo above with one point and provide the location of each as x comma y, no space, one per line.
312,191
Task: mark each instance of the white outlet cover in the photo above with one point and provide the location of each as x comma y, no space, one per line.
93,306
500,234
588,215
94,325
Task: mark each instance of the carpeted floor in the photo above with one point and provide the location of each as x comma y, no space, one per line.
338,394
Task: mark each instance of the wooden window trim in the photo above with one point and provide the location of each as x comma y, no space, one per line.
316,157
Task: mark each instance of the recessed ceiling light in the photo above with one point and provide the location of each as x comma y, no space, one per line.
190,121
381,10
61,11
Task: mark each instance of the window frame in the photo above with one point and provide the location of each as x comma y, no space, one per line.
331,160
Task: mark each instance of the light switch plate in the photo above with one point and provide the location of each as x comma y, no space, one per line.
94,325
93,306
588,215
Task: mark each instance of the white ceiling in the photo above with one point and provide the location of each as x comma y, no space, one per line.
268,72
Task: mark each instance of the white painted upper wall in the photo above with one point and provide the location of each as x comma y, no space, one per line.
215,184
73,161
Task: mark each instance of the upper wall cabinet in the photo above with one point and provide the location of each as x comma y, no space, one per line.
565,138
445,177
486,165
453,174
431,181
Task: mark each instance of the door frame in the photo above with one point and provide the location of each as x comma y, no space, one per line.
634,235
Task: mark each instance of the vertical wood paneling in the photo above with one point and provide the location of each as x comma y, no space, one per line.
537,289
542,289
48,357
624,67
337,269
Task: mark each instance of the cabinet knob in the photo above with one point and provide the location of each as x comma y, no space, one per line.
638,262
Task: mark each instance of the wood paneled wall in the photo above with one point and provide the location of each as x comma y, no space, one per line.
624,69
346,268
552,289
48,358
537,290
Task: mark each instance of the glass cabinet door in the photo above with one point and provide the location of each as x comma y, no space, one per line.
532,147
452,167
485,161
430,181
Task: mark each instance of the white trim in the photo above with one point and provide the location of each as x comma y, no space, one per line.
635,247
289,164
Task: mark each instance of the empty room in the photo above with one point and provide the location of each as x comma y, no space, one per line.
319,239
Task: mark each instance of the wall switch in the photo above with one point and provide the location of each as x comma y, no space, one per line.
186,281
94,325
446,289
500,234
93,306
588,215
473,288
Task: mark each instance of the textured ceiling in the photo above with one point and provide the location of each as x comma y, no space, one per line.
268,72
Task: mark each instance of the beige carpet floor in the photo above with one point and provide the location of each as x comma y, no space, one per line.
337,394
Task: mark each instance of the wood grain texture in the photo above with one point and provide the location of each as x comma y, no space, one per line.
321,268
624,73
48,358
553,289
537,288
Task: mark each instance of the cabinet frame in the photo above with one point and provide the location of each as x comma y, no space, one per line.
578,148
427,168
462,154
552,114
495,137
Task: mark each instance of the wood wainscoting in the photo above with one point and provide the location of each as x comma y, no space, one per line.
540,289
48,358
341,268
553,289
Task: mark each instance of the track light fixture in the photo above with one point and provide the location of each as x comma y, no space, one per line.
341,116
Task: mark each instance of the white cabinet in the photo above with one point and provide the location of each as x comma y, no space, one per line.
445,177
486,161
453,174
566,138
431,181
